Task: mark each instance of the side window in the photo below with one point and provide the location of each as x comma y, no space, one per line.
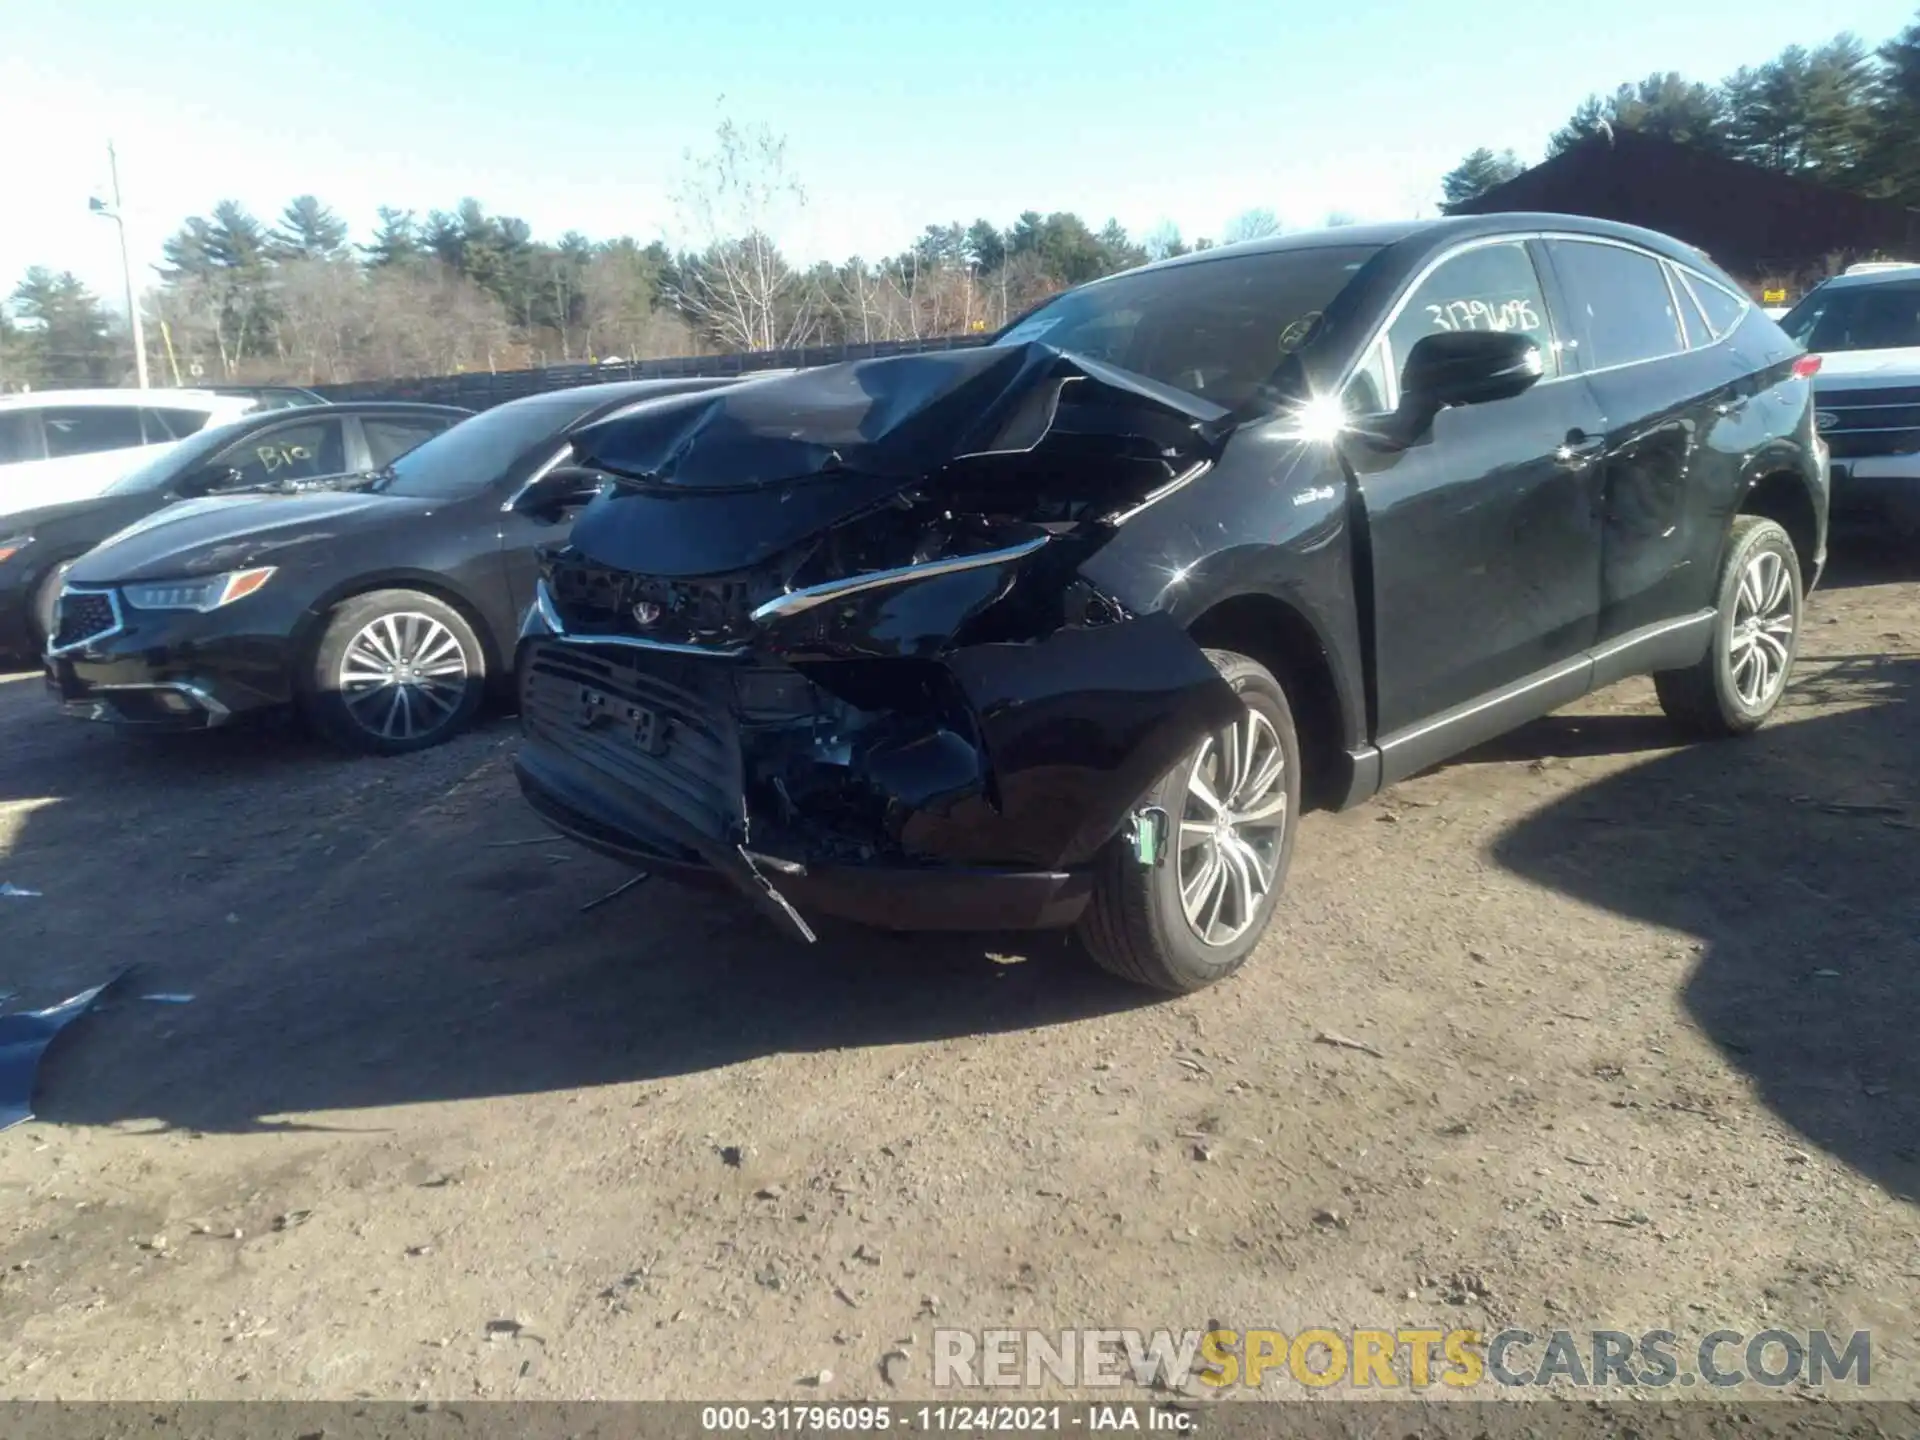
1490,287
388,440
173,424
1723,311
291,452
20,437
1621,309
89,429
1691,324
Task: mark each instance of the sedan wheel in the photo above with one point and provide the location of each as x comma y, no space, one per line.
403,675
395,670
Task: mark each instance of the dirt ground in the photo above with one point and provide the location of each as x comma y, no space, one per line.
1646,1021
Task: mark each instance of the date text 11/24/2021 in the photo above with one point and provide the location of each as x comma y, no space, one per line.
789,1418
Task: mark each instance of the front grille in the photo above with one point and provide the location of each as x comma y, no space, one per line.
84,615
659,725
713,610
1859,423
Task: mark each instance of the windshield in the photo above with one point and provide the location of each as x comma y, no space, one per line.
1857,317
173,461
477,453
1217,328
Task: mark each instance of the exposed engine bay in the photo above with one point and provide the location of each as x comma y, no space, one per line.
837,617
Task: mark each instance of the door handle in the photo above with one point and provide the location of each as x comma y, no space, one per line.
1579,449
1730,407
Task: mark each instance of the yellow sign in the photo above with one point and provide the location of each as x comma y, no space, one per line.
1773,297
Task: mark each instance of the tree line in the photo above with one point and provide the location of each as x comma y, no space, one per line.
1843,114
243,300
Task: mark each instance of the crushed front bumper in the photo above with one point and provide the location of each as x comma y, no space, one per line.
982,811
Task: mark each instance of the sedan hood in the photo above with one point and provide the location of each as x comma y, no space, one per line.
722,480
199,537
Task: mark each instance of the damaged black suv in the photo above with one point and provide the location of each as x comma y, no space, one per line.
1069,628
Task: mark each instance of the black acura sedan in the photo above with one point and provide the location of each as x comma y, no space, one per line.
382,610
1069,628
257,452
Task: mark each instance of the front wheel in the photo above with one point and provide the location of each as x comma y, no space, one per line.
395,670
1231,803
46,603
1756,635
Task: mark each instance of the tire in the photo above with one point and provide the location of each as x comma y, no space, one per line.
1724,694
46,598
413,690
1136,925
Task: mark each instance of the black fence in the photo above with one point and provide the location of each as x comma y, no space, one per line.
479,391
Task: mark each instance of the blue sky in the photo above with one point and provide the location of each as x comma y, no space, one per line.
575,114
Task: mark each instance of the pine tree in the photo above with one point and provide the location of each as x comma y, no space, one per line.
1478,173
308,230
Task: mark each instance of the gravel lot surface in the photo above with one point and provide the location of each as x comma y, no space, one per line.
1641,1030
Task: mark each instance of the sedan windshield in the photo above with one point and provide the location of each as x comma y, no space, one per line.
477,453
173,461
1216,327
1857,317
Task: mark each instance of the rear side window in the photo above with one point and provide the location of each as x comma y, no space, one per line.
1490,287
174,424
1692,324
20,437
388,440
1621,309
1722,309
90,429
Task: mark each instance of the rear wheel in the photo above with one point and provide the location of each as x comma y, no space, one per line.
1756,635
395,670
1231,805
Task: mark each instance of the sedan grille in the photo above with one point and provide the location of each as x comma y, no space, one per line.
657,725
85,615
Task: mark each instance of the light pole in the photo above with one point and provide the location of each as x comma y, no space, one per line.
112,212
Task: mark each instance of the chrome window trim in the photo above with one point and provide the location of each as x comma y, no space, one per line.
118,627
538,475
1420,277
796,602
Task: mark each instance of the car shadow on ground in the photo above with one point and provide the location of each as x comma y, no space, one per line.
1800,854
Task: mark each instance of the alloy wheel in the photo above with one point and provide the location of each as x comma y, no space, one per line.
1760,642
403,675
1231,827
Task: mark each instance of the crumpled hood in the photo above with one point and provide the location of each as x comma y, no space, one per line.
718,481
230,532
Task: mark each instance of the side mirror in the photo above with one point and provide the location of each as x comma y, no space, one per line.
1467,367
562,489
210,480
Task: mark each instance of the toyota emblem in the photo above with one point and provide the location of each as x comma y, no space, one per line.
645,613
1825,419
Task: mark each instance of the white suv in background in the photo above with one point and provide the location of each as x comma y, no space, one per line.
59,445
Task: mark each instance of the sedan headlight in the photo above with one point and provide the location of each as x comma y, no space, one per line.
209,592
12,546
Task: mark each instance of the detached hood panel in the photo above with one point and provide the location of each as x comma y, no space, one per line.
721,481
